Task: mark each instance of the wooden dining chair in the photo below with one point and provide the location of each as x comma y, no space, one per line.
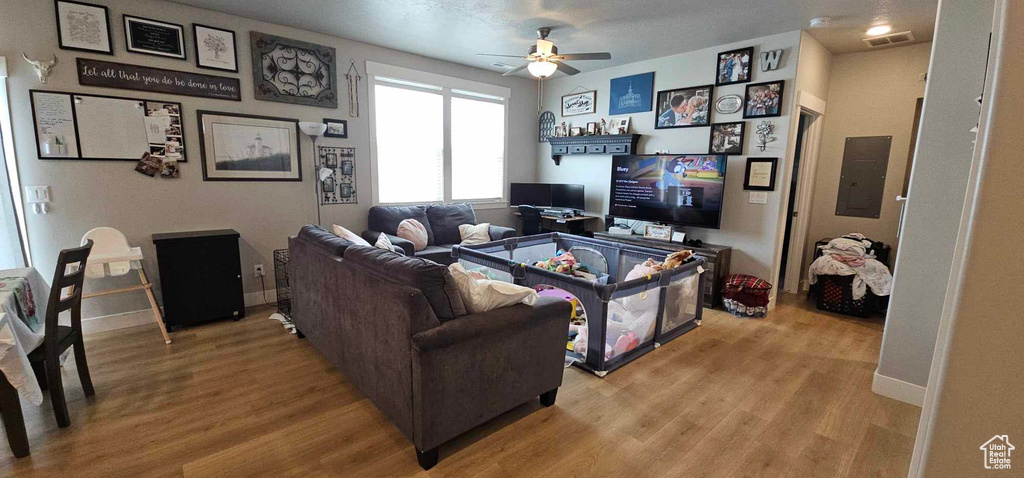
45,359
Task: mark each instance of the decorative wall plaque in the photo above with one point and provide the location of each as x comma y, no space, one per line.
109,74
340,186
293,71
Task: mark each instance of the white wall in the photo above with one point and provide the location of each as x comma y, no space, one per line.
89,194
751,229
975,386
872,93
938,183
814,67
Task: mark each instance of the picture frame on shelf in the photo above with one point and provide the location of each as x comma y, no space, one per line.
592,128
581,103
240,147
661,232
336,128
764,100
154,37
727,138
618,125
575,131
83,27
216,48
684,107
760,174
733,66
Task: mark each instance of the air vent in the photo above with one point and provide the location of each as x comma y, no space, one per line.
890,39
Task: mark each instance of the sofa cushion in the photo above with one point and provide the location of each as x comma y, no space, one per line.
432,279
387,218
349,235
445,220
440,254
475,234
326,240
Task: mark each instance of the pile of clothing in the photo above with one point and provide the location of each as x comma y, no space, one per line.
851,255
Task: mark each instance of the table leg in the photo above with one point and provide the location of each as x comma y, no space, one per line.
14,421
152,303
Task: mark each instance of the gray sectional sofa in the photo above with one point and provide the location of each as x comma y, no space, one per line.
442,222
396,327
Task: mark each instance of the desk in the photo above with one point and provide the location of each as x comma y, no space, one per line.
574,225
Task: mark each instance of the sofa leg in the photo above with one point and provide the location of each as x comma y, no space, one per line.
427,458
548,398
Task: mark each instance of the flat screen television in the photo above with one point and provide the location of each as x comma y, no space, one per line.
530,194
678,189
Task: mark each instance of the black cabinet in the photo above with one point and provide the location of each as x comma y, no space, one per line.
200,276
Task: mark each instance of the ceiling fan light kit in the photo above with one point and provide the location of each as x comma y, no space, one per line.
543,58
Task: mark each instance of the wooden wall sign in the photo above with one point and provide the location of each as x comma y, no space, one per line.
109,74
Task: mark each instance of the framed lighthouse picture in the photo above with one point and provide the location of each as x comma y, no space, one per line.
238,147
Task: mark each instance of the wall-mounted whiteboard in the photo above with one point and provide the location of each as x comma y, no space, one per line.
95,127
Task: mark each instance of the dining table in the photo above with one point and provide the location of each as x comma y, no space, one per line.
23,299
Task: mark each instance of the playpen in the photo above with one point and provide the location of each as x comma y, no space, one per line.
631,317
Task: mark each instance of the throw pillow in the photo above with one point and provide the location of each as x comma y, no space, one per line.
349,236
482,295
384,242
414,232
475,233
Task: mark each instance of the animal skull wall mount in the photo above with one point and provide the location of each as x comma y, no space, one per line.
42,67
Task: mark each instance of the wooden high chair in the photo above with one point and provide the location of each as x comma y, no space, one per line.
112,255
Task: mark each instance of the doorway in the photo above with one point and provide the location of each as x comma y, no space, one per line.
798,205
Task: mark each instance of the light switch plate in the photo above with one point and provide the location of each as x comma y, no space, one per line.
37,194
758,197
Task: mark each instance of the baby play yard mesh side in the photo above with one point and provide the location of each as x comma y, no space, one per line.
614,320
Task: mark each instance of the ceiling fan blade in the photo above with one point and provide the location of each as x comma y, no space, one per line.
503,56
585,56
515,70
568,70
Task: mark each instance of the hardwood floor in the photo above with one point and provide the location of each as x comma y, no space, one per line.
789,395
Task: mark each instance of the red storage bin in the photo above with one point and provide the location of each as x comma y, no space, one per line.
746,296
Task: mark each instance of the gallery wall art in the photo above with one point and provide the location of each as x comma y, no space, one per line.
215,48
83,27
631,94
340,186
684,107
109,74
238,147
153,37
293,71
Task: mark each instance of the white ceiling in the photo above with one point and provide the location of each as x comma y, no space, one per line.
632,30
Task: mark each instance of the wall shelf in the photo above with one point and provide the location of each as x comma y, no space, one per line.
598,144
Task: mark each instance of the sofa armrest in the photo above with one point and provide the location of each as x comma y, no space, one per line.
497,322
498,232
406,246
473,368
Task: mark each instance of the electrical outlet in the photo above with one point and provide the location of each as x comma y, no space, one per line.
258,270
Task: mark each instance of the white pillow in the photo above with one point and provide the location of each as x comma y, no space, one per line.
475,234
349,235
384,242
482,295
414,232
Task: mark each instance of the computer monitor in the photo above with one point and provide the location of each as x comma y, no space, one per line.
569,196
530,194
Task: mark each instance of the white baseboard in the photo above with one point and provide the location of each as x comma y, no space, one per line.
104,323
897,389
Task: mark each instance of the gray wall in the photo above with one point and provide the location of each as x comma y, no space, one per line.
873,93
749,228
90,194
938,183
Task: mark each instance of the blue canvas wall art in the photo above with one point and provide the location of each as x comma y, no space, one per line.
631,94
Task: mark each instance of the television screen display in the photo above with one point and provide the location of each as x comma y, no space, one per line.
568,196
530,194
678,189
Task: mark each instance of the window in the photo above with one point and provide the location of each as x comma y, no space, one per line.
436,139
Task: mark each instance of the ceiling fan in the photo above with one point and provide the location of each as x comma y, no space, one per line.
544,59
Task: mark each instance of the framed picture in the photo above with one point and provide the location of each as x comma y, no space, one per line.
215,48
684,107
331,160
83,27
726,138
582,103
631,94
293,71
619,126
152,37
575,131
760,174
658,232
336,128
734,66
591,128
238,147
764,100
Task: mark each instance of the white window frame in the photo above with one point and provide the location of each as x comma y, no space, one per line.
448,87
13,176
